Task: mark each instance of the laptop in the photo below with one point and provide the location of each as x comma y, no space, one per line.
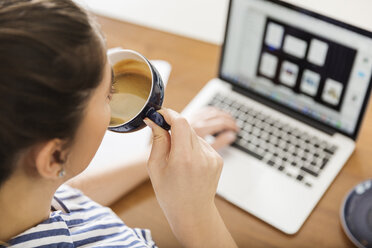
298,84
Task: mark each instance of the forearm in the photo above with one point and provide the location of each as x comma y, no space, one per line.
203,230
105,186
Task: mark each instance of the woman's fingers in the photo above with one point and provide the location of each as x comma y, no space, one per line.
181,138
209,113
224,139
213,121
160,146
210,120
217,125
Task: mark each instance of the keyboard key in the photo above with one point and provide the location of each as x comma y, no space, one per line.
235,105
239,123
291,148
267,156
324,163
242,116
309,171
250,152
247,127
330,150
282,144
227,100
299,177
256,131
292,170
323,144
299,162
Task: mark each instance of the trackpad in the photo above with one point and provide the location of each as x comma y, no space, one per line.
253,185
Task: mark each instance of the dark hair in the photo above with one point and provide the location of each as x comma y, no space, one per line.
52,56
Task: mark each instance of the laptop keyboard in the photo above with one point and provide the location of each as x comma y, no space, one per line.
291,151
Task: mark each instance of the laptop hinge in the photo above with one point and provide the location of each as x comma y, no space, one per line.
282,109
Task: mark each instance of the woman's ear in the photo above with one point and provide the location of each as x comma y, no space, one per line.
50,158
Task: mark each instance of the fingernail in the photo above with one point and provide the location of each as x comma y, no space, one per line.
147,122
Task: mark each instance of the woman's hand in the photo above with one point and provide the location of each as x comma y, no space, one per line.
211,121
184,171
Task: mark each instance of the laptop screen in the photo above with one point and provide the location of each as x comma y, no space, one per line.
311,64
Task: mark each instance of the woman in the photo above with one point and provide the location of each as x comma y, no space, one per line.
55,84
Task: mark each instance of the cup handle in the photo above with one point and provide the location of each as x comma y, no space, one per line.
157,118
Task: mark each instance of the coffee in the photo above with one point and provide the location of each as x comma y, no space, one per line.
132,87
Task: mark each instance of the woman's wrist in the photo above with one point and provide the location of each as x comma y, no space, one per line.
202,229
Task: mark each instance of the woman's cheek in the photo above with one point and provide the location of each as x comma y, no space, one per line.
107,111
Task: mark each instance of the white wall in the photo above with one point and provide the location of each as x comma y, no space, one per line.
205,19
200,19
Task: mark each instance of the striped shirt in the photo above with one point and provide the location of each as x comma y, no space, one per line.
77,221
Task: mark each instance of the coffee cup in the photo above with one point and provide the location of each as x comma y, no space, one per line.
138,92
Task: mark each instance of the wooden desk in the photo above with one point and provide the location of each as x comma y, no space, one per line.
194,63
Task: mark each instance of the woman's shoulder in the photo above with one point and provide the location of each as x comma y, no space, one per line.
69,199
76,221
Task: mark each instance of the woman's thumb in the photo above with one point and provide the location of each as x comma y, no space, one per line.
160,145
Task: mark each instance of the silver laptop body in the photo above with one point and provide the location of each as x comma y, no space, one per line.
298,84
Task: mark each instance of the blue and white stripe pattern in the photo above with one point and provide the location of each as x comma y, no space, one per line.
77,221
